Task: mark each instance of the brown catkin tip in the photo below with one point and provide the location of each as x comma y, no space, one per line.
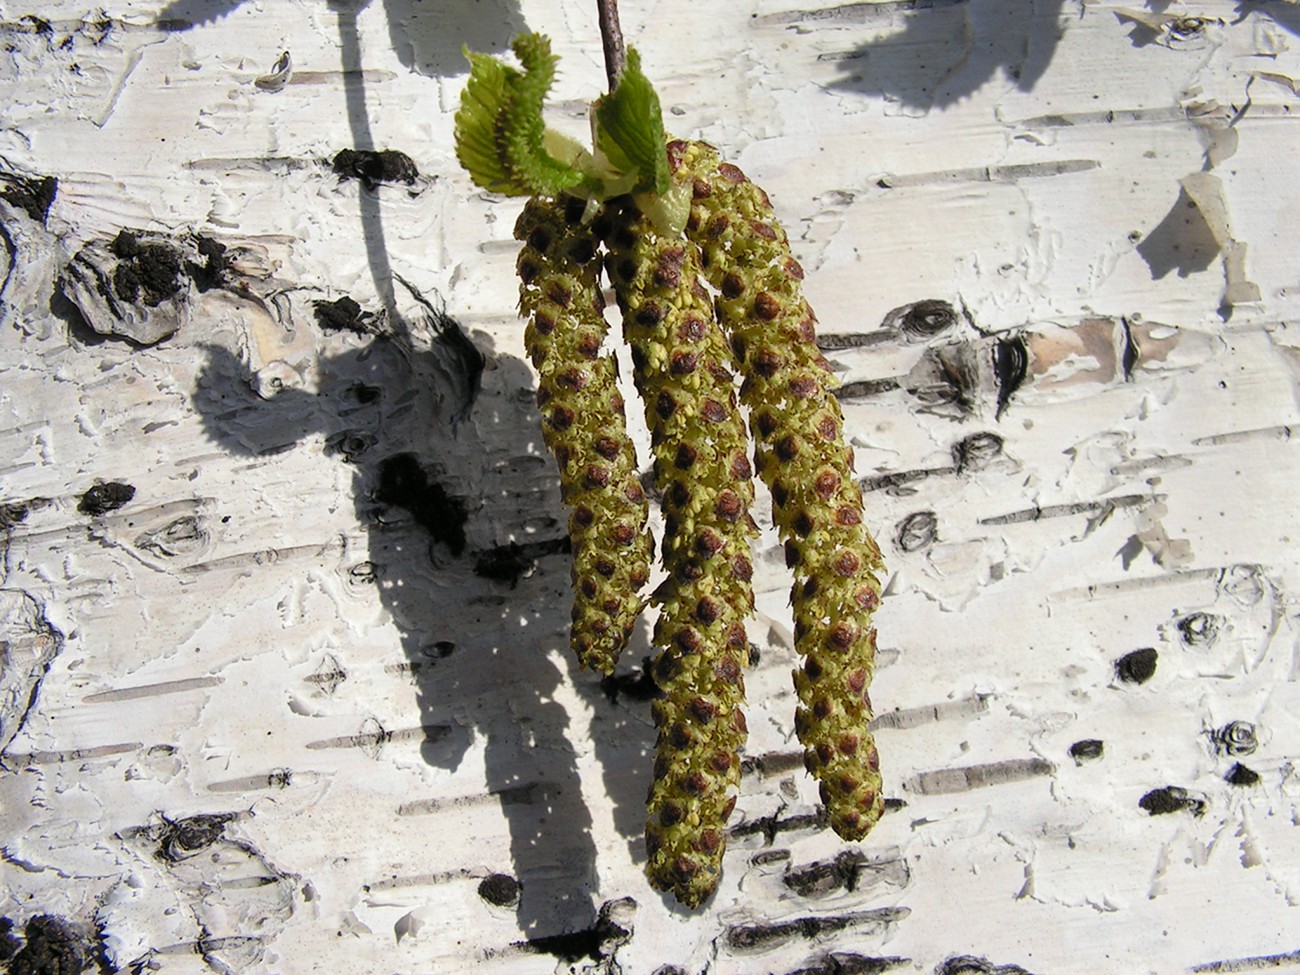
583,424
817,504
682,372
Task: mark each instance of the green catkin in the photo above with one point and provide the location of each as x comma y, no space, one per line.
801,456
584,426
682,370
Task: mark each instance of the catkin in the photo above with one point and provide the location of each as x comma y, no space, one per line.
801,456
584,426
682,370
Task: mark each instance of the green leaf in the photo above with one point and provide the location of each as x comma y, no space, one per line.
481,103
629,129
501,137
503,142
521,131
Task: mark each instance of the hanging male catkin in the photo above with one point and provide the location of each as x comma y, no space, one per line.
802,457
584,425
701,464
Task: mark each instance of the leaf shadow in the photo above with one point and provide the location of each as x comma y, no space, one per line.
1286,15
426,35
947,52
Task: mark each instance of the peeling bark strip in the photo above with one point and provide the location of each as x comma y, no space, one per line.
801,455
702,468
584,426
981,776
153,690
1255,963
28,645
850,963
850,870
758,938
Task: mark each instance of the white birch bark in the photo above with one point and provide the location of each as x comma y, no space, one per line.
256,717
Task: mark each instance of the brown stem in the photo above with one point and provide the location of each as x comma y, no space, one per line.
611,36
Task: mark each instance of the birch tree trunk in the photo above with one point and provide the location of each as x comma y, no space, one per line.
284,679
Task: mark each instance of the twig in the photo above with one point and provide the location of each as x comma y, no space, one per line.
611,36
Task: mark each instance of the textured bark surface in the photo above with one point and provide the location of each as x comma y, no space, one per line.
285,683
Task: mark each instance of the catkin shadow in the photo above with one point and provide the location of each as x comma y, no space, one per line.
946,53
439,500
493,676
429,35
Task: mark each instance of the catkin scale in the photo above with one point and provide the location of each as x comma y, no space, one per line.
801,456
583,424
682,370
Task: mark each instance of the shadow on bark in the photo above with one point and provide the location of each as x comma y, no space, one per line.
1183,241
1287,15
946,52
433,478
427,35
477,649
